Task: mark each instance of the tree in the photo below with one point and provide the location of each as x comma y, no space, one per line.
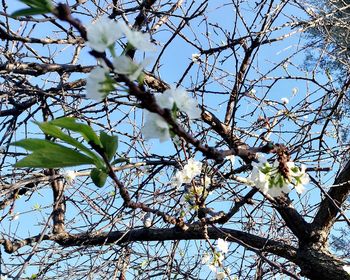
191,166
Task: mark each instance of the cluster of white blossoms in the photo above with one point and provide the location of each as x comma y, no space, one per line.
174,99
215,264
102,35
192,169
268,179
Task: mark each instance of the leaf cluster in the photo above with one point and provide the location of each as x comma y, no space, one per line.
47,154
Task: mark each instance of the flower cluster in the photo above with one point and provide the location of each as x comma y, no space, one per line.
192,169
102,35
215,263
268,179
174,99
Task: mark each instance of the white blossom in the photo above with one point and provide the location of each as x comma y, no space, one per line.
347,268
96,84
268,179
299,176
147,220
69,176
102,34
252,91
181,98
231,158
294,91
192,169
205,258
212,267
260,179
189,171
177,180
222,245
196,58
285,100
126,66
137,39
220,275
3,277
155,127
14,217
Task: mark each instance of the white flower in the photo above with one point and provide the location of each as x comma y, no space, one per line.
347,268
181,98
138,40
155,127
102,34
177,180
231,158
220,275
147,220
222,245
96,87
260,179
185,176
205,258
212,267
299,177
196,58
69,176
126,66
14,217
278,185
191,169
294,91
3,277
252,91
285,100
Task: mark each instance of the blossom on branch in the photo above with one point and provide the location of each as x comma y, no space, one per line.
126,66
190,170
102,34
69,176
268,179
137,39
181,99
155,127
98,84
222,245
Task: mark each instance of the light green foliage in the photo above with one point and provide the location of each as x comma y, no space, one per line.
37,7
47,154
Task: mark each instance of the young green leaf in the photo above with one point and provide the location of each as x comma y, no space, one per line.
85,130
119,160
30,12
36,7
99,177
50,155
110,144
52,130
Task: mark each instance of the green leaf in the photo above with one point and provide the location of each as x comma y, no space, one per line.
54,131
110,144
50,155
119,160
30,12
31,144
85,130
38,3
99,177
